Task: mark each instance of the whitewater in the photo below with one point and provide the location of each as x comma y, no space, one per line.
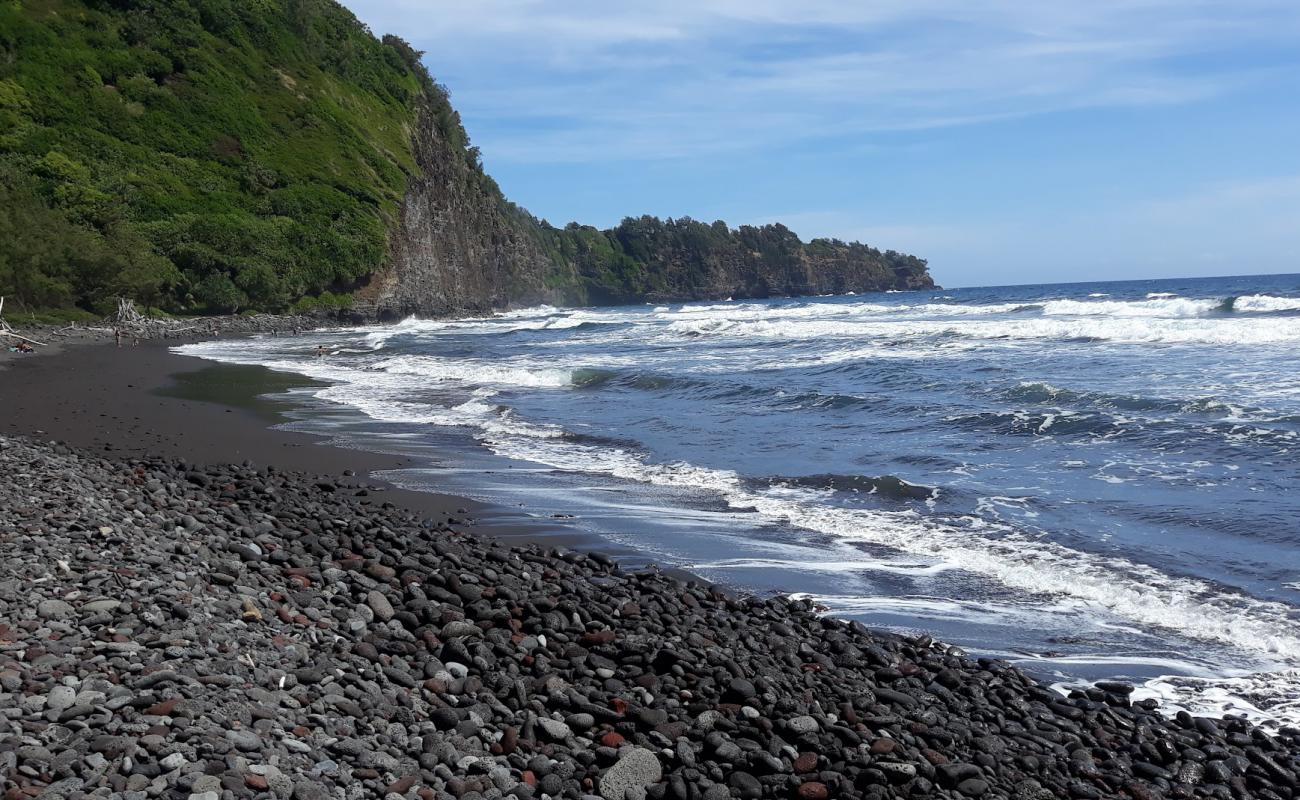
1096,481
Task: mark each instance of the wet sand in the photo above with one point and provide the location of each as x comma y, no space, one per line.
145,400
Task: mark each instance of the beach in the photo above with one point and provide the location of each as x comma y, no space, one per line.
262,619
123,402
143,399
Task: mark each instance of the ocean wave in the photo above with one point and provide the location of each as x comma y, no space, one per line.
1157,306
1263,303
1027,423
1268,699
982,612
1226,331
600,378
910,568
541,318
485,418
1045,393
476,372
886,486
1131,591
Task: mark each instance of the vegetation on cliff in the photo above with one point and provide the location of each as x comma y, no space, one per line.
221,155
205,154
646,258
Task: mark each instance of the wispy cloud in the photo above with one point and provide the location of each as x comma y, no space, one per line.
1260,210
1215,228
688,78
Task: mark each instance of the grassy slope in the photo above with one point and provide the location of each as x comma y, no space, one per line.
259,147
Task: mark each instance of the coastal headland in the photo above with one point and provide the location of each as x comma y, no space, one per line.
197,606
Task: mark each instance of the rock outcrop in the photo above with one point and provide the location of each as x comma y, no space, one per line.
461,247
458,246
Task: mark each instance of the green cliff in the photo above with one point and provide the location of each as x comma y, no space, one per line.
222,155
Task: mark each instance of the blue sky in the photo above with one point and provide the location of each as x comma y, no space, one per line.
1007,142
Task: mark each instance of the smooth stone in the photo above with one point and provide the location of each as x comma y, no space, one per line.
379,604
54,609
173,761
100,606
60,697
555,729
244,740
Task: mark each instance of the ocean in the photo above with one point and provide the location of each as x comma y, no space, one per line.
1091,480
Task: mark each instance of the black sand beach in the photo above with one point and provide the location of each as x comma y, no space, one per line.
280,630
127,402
143,399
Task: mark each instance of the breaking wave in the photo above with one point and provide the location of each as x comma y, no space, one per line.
970,444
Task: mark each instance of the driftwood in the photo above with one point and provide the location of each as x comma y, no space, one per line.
5,330
20,336
127,313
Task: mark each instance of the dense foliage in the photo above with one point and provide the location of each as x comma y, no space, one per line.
647,258
198,154
221,155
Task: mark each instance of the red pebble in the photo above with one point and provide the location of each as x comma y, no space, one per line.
806,762
402,785
163,709
612,739
812,790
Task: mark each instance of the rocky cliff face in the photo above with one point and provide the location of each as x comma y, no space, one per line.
460,247
797,270
457,247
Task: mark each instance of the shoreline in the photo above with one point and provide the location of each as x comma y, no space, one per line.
144,400
205,632
359,605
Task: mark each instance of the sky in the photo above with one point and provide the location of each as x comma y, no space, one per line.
1006,142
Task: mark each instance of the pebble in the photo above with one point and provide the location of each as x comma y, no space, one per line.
554,728
636,768
60,697
813,790
53,609
247,741
391,656
173,761
380,605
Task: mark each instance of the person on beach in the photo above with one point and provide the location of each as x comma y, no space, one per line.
320,351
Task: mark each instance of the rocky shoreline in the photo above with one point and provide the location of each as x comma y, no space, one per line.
128,333
221,632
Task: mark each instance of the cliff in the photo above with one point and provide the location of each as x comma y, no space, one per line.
648,259
212,156
458,246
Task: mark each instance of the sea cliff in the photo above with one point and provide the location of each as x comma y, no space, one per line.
210,157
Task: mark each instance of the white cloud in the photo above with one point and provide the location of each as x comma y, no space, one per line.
680,78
